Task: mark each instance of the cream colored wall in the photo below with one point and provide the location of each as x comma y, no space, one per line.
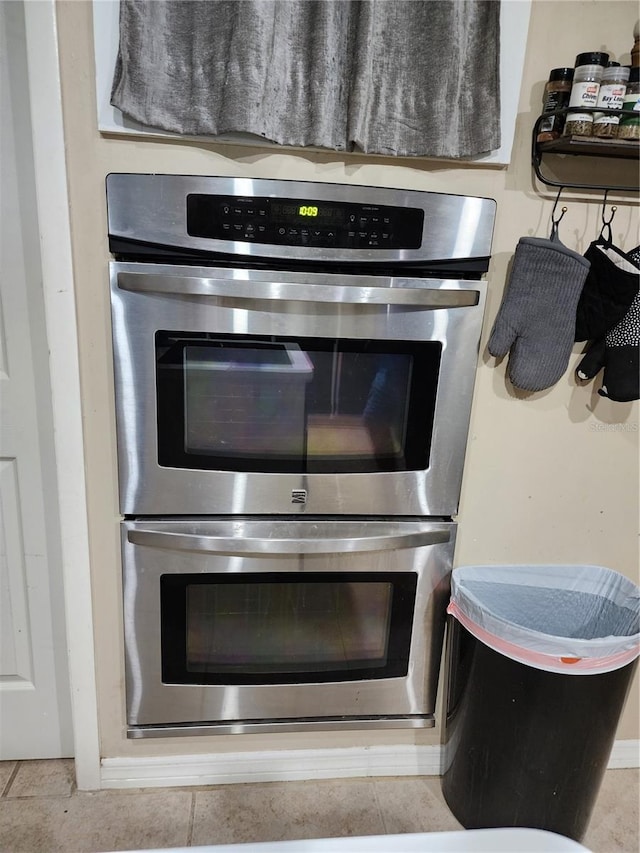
550,477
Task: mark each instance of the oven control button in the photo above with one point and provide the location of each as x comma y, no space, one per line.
237,227
331,235
226,209
238,211
282,231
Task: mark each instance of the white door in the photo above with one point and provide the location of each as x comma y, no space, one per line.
35,716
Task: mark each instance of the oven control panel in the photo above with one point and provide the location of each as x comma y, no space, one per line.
303,222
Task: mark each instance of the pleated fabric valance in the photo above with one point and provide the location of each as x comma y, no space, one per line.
394,77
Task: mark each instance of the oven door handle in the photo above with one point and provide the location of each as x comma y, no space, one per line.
266,547
428,297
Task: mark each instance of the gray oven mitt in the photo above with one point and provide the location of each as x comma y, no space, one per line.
536,321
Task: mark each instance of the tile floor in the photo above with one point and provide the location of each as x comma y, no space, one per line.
42,812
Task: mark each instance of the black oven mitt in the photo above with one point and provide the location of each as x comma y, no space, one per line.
618,353
611,285
536,321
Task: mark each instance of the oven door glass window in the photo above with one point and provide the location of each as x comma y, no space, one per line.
290,405
274,629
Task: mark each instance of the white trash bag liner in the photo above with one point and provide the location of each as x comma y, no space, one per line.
569,619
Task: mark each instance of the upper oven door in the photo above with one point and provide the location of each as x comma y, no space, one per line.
246,391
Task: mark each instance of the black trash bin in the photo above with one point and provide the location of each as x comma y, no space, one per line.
539,662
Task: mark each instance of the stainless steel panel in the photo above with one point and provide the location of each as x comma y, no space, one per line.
150,702
152,208
148,489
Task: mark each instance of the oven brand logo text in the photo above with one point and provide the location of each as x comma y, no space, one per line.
298,496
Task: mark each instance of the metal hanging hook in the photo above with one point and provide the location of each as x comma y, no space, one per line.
606,223
555,222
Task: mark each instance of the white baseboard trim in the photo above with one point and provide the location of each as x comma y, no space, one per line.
625,753
295,765
275,766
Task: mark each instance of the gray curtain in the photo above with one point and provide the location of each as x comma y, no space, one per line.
396,77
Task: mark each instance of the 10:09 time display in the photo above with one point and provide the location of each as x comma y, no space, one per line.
289,211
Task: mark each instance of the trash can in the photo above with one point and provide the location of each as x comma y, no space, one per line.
539,662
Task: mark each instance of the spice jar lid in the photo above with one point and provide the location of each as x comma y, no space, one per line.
616,73
594,58
634,74
560,74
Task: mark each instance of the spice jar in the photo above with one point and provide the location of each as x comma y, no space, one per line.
629,127
556,97
584,92
611,96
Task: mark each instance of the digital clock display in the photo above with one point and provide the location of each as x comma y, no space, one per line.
289,211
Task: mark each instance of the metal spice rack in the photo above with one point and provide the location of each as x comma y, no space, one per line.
591,146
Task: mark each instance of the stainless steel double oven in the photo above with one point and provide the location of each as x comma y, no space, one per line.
294,367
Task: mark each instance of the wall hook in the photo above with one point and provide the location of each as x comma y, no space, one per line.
606,223
555,222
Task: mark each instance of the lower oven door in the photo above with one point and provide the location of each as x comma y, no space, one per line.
252,624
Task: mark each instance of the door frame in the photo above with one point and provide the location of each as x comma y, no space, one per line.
60,318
